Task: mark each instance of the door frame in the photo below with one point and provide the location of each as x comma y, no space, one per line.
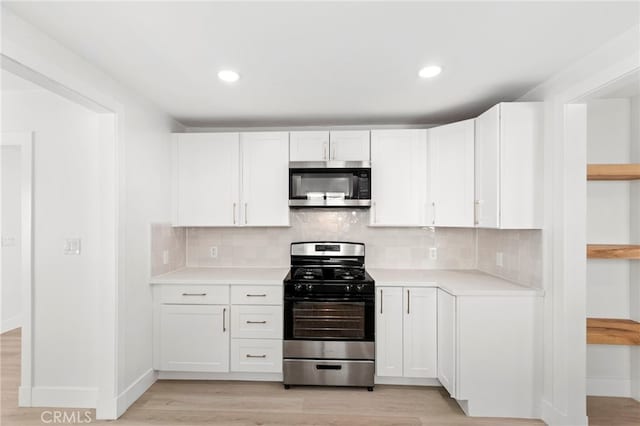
110,272
24,140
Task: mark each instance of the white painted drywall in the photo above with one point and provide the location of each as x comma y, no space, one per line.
66,193
143,133
608,221
634,273
564,401
10,309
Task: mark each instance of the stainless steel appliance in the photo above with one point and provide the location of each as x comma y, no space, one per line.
329,316
330,184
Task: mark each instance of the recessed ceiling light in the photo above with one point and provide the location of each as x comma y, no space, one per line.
430,71
228,75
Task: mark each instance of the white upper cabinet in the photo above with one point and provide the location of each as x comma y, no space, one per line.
349,145
341,145
451,176
206,184
508,166
265,175
231,179
398,177
309,146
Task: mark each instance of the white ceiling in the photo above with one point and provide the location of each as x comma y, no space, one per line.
309,63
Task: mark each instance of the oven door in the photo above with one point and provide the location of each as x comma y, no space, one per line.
329,318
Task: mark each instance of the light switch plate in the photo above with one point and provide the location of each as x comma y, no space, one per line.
500,259
213,252
433,253
165,257
72,246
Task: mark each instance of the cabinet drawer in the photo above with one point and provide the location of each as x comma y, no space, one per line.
195,294
256,322
256,295
256,356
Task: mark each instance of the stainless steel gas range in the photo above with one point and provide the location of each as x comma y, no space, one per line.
329,316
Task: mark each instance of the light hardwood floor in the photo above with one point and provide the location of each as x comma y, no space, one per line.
170,403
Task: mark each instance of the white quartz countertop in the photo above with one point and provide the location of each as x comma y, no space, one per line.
246,276
455,282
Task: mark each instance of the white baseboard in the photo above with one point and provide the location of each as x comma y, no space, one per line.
11,323
410,381
63,397
609,387
135,390
258,377
553,417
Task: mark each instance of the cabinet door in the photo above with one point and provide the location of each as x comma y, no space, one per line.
420,332
487,166
206,191
265,175
389,331
451,177
194,338
398,177
350,145
309,146
447,341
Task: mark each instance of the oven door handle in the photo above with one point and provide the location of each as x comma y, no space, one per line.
366,298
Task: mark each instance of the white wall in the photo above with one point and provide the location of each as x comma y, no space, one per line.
66,186
10,308
608,222
564,233
143,191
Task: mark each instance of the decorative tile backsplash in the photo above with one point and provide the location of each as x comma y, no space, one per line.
521,255
174,241
394,248
385,247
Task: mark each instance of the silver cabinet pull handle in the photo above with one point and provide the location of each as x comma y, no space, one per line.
408,301
256,295
234,213
194,294
333,156
375,213
381,299
224,320
245,213
433,221
256,356
256,322
476,214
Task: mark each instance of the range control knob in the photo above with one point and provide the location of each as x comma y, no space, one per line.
297,288
359,288
348,288
309,287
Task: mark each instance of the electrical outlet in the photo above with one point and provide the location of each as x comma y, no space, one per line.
433,253
500,259
72,246
213,252
165,257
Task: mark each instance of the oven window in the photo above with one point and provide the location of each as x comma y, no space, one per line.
329,320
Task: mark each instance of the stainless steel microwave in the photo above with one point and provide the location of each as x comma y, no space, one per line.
330,184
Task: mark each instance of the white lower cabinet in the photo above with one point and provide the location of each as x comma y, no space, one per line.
406,339
194,338
488,353
256,355
197,330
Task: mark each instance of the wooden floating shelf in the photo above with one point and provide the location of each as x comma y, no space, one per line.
606,331
613,251
613,171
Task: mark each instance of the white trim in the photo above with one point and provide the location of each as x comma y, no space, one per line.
64,397
408,381
609,387
11,323
25,141
134,391
551,416
258,377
